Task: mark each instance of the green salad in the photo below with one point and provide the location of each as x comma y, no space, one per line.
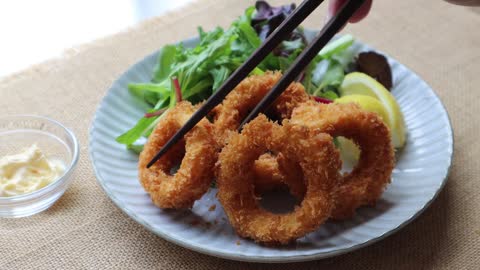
194,74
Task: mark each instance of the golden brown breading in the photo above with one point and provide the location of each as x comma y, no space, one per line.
247,95
277,171
236,107
366,182
320,164
197,154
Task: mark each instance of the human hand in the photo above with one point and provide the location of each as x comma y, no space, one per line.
335,5
465,2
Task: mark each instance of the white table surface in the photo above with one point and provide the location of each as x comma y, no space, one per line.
34,31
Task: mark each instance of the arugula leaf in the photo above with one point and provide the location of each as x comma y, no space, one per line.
166,59
246,31
207,37
257,71
136,132
332,77
319,71
293,45
201,33
330,94
219,75
136,148
150,92
139,89
325,74
313,70
336,46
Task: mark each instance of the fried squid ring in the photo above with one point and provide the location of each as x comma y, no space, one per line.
197,154
320,164
366,182
239,102
237,105
277,171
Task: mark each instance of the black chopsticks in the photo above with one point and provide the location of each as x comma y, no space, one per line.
300,13
333,26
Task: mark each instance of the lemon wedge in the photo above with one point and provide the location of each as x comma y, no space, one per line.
361,88
368,103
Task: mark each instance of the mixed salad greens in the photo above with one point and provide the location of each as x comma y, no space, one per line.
194,74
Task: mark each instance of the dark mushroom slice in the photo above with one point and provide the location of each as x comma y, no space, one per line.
376,66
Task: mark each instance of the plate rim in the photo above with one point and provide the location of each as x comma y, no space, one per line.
265,259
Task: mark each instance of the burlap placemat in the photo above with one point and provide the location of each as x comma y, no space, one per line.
84,230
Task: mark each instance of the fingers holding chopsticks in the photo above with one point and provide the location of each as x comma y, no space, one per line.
335,5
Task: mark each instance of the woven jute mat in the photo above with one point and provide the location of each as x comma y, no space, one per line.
84,230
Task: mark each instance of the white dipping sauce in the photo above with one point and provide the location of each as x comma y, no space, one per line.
27,172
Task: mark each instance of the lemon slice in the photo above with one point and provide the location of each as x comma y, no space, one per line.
357,83
370,104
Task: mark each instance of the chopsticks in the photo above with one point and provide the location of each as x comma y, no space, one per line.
287,26
333,26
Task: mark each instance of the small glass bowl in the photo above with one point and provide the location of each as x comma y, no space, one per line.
56,141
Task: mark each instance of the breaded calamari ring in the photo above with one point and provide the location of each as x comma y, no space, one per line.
274,171
239,102
366,182
320,163
236,107
197,154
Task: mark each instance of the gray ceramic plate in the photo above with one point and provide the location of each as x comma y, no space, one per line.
420,173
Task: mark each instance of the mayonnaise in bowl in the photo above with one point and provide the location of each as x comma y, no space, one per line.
27,171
